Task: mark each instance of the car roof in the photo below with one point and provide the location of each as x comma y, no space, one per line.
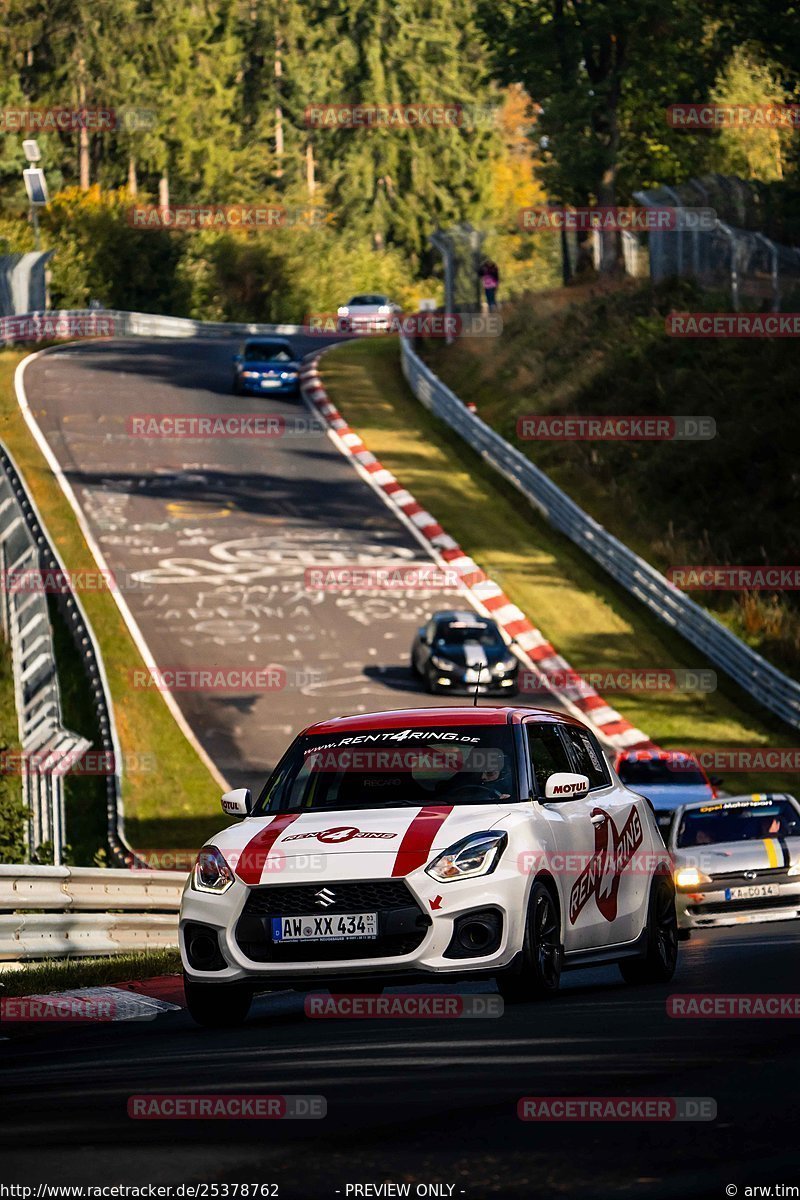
267,340
432,717
655,755
467,615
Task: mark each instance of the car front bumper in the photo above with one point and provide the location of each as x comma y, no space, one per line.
456,683
262,387
709,906
442,906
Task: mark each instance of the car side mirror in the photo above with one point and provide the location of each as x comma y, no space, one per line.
566,785
237,358
237,803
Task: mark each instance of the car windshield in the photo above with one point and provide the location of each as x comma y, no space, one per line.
392,768
745,822
660,772
363,300
267,352
457,633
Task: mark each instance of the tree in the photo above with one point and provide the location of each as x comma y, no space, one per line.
603,72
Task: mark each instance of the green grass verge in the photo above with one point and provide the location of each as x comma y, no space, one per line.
589,619
175,804
604,351
13,813
39,978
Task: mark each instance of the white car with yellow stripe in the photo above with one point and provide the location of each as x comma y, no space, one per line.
737,860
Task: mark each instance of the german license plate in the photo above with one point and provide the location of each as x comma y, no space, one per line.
756,892
347,927
270,383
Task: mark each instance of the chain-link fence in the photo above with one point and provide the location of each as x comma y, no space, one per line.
755,270
461,251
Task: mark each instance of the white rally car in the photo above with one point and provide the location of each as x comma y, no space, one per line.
737,860
429,844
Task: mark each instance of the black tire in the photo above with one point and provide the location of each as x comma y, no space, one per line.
430,686
217,1005
542,953
415,671
657,964
237,387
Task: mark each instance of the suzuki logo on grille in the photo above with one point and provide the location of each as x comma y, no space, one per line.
325,897
750,874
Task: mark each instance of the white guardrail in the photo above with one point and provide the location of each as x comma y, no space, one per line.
769,686
60,912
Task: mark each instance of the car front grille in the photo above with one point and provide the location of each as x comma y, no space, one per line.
755,904
402,924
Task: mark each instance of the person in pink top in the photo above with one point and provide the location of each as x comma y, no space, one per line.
490,281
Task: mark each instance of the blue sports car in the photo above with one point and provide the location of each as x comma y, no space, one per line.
266,366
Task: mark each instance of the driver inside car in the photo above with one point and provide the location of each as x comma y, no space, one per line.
489,781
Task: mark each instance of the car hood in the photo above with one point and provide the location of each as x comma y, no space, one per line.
471,653
351,844
668,797
727,858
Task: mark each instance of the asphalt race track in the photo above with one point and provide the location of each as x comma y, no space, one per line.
221,533
433,1101
210,541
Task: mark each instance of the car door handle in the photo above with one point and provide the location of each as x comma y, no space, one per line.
597,818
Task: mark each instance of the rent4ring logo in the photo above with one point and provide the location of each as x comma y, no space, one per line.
612,852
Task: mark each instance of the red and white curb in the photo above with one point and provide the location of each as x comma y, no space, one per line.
143,1000
537,652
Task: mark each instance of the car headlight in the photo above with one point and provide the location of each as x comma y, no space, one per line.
794,869
690,877
343,311
477,854
288,374
250,374
505,665
384,308
442,664
211,872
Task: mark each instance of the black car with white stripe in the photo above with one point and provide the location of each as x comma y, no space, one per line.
462,652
